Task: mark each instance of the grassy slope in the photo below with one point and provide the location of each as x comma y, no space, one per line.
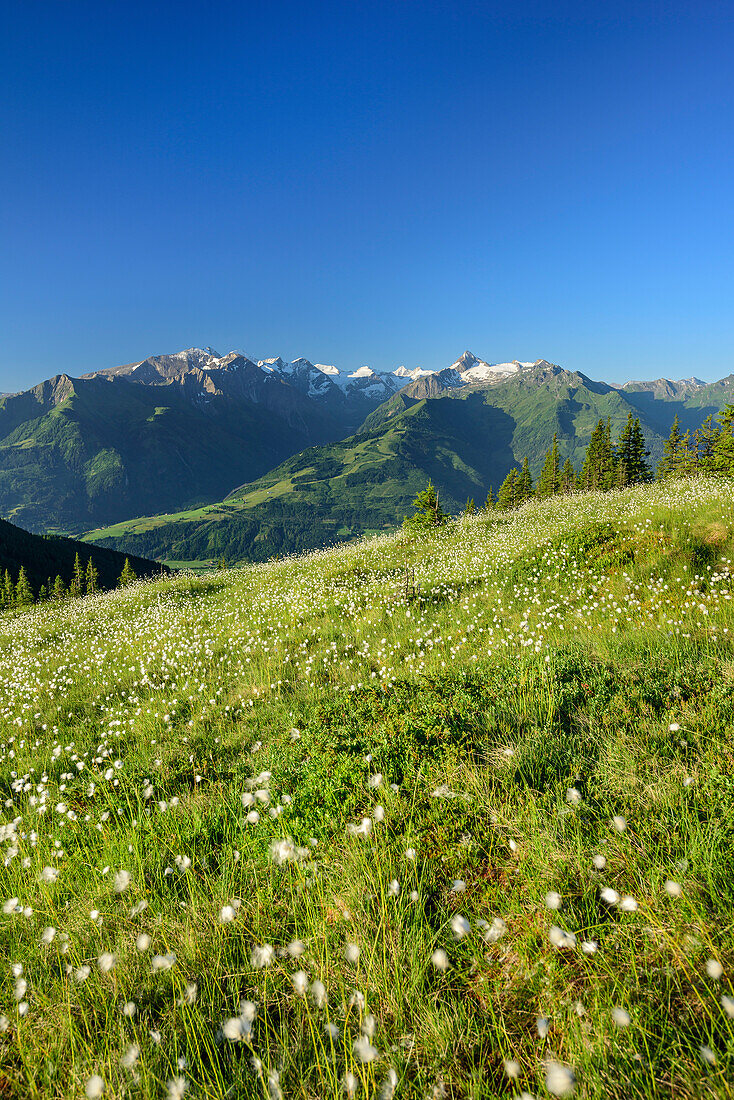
579,645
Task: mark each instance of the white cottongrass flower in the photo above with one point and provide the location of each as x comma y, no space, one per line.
49,874
619,823
94,1087
296,948
560,938
512,1068
318,992
351,1084
714,969
142,942
177,1087
129,1009
47,936
10,906
542,1026
708,1056
599,862
300,982
227,914
458,886
183,862
440,959
122,881
410,853
363,829
727,1003
674,727
20,989
283,851
261,956
609,896
553,900
560,1080
364,1050
673,888
388,1086
621,1017
351,952
573,796
82,973
238,1029
374,781
589,947
460,926
495,931
378,814
106,961
393,889
163,962
130,1057
628,904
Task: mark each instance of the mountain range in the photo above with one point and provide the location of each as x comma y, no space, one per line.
243,458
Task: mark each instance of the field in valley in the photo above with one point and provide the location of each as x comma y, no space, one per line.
292,831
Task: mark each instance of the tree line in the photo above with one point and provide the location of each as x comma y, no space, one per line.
608,464
84,582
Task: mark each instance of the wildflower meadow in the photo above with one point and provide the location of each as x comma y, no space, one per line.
444,814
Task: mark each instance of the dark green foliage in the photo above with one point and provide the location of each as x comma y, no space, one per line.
43,557
428,512
550,476
599,468
632,466
127,576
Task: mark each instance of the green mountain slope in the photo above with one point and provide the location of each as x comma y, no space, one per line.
464,438
78,452
44,556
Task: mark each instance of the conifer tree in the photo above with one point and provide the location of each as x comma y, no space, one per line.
525,487
76,585
723,443
42,593
428,511
673,459
470,507
507,493
550,476
599,468
91,578
127,576
704,442
59,588
490,503
23,590
631,455
567,477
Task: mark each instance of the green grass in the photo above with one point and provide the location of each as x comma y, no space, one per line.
342,766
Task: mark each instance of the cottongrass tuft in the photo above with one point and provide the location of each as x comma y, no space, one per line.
621,1017
440,959
714,969
94,1087
560,1080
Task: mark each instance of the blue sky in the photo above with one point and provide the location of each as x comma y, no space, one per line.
370,182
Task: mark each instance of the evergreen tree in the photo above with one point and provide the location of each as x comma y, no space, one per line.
490,503
470,507
704,442
42,593
91,578
673,460
525,487
76,585
632,467
599,468
550,476
59,588
567,477
127,576
723,443
23,590
507,493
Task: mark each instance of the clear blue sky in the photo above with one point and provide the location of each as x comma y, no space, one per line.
368,182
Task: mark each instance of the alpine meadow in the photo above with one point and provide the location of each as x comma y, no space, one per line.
440,813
